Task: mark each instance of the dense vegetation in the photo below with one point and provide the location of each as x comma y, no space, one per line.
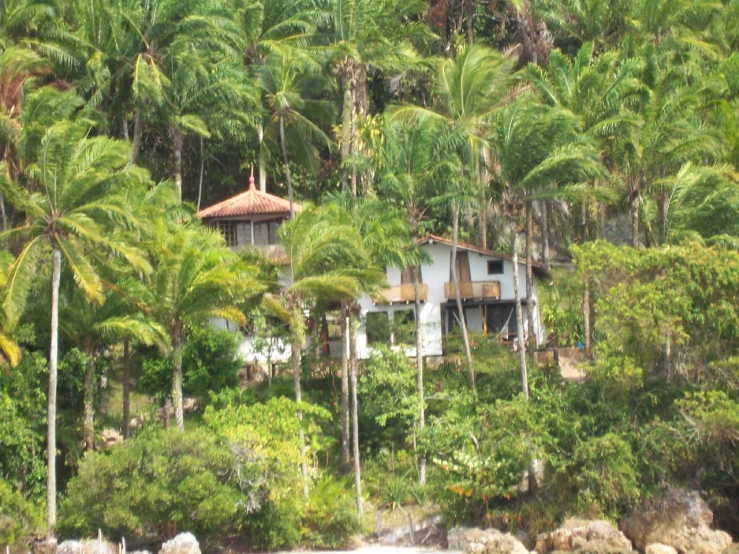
600,137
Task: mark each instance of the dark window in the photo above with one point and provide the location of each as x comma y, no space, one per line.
228,228
377,325
495,267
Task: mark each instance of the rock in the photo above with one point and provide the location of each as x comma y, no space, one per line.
401,535
45,546
489,541
111,437
680,519
732,549
89,546
593,537
184,543
189,404
658,548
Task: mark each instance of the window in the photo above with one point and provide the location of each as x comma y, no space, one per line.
404,327
495,267
228,229
377,325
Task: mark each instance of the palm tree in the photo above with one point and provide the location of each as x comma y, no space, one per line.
81,184
286,78
326,261
195,278
469,90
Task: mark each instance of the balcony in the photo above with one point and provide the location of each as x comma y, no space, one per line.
479,290
403,293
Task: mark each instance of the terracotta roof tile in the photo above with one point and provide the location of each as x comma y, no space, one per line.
251,202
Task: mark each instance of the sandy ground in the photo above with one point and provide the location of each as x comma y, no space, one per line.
378,549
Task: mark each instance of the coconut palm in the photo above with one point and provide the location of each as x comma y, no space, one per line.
80,183
469,90
598,21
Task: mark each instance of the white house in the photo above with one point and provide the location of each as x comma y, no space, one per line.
486,290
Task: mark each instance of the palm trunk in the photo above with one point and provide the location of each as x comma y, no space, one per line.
353,144
345,355
89,409
664,213
419,366
545,255
2,213
634,211
178,343
460,308
56,270
346,133
587,327
138,132
530,277
519,315
262,165
126,388
178,141
283,144
296,344
353,327
202,169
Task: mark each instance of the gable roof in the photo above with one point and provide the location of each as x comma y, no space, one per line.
251,202
431,239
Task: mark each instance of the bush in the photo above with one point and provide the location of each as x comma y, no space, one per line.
331,517
19,518
161,481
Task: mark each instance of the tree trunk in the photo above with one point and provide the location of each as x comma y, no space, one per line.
202,168
178,343
345,355
89,404
138,132
296,344
262,165
346,123
664,213
419,366
283,144
56,270
2,212
587,327
634,211
178,141
353,145
353,328
126,388
519,315
460,308
545,254
530,277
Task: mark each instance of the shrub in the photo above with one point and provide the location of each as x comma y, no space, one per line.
161,481
19,518
331,517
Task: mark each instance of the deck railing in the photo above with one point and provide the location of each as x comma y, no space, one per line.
403,293
474,289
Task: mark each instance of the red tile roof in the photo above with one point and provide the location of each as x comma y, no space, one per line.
251,202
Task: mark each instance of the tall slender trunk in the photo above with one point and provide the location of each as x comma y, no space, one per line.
283,144
126,388
56,271
470,21
545,254
2,212
664,214
178,342
419,365
584,220
354,363
346,124
202,169
89,404
530,277
634,203
587,327
262,165
296,345
519,314
138,132
345,355
460,308
178,141
353,144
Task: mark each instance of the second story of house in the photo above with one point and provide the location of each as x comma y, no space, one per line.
251,218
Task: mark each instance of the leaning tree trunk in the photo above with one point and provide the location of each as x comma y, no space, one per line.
262,164
178,142
126,388
2,213
178,344
345,355
56,269
354,363
419,365
138,132
545,255
296,345
89,404
519,315
202,169
283,144
587,326
346,123
460,309
530,277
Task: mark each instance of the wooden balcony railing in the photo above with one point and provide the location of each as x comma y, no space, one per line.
474,289
403,293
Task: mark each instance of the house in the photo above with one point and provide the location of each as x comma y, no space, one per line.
486,291
251,218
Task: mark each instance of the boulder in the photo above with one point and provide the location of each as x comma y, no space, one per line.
184,543
44,546
592,537
658,548
111,437
678,518
87,546
488,541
